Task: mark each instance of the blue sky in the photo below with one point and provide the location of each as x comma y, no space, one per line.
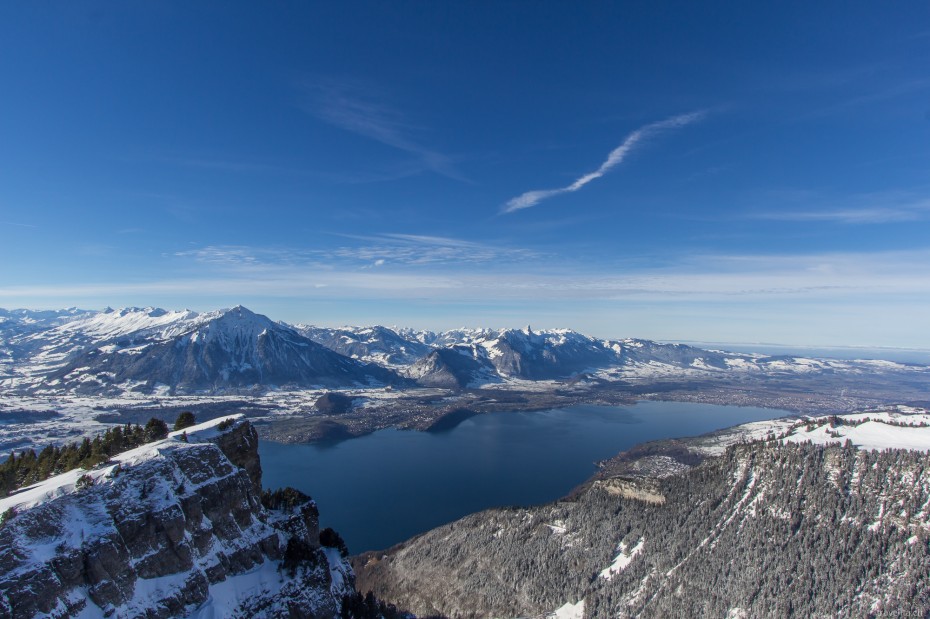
734,172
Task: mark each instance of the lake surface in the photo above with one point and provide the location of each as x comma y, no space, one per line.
383,488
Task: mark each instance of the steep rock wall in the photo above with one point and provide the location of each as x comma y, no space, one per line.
171,529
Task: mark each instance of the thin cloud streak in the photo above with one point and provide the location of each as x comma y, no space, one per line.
431,240
380,250
615,158
350,106
892,208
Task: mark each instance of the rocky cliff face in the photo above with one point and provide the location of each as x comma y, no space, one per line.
240,445
170,529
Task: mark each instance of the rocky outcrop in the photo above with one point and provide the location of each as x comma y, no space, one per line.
169,529
240,445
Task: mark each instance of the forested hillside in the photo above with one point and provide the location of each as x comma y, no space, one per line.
767,529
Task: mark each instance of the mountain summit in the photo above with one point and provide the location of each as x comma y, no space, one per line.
223,350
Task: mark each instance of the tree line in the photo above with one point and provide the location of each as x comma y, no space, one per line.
28,467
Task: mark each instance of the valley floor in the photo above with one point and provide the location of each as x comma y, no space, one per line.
32,421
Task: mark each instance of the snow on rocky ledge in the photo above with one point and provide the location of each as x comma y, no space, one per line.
168,529
66,483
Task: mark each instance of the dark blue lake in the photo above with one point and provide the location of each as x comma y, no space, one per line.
385,487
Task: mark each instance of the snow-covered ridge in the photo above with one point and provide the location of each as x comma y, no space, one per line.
149,351
67,482
869,430
148,321
898,427
173,528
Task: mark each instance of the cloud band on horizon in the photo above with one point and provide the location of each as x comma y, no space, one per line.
616,156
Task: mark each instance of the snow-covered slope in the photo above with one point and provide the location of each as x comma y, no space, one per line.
183,352
169,529
370,344
40,318
527,354
41,346
871,430
894,427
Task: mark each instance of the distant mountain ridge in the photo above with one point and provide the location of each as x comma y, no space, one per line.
373,344
154,350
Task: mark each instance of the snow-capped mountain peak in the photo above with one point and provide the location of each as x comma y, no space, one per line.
212,352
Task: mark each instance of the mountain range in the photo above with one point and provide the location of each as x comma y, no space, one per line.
152,350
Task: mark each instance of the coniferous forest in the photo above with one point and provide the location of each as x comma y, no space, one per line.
27,467
764,530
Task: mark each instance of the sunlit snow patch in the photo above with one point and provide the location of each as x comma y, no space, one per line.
568,611
872,434
623,560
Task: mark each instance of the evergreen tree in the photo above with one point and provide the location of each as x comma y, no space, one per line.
155,430
185,420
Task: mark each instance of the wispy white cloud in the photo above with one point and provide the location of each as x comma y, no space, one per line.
17,224
350,105
236,255
421,239
616,156
408,250
423,250
877,208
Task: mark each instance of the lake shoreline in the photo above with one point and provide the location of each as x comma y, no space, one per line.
385,487
408,410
